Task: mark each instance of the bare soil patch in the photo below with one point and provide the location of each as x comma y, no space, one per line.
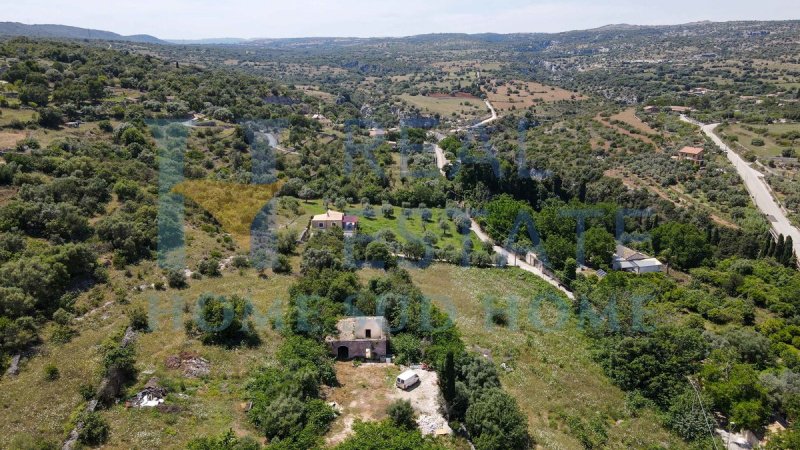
363,393
8,139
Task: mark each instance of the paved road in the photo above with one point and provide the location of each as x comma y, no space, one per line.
759,190
515,261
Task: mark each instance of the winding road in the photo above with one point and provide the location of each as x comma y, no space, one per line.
490,119
758,188
511,258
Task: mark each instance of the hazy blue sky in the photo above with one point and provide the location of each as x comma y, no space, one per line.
269,18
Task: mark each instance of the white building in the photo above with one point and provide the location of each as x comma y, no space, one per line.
633,261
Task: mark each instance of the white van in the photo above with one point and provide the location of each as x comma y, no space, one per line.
407,379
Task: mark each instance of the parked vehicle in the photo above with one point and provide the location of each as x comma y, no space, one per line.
407,379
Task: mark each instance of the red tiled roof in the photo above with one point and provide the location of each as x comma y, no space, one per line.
691,150
350,219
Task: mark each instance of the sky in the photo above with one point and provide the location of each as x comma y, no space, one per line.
194,19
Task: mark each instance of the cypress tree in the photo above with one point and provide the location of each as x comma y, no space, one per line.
770,248
788,251
778,252
449,376
765,247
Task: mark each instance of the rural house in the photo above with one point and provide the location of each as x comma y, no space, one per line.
333,218
360,337
630,260
693,154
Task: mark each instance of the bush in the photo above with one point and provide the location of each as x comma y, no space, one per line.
87,391
384,435
62,317
126,189
227,441
282,264
387,210
51,373
176,279
105,126
209,267
495,422
240,262
379,253
50,118
94,431
426,215
223,320
286,242
402,414
462,223
62,334
137,317
119,362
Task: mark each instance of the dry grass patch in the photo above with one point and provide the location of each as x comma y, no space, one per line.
7,115
446,106
9,138
233,205
522,95
629,116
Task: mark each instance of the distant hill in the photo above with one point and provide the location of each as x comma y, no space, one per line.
207,41
67,32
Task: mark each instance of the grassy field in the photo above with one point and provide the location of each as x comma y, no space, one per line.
414,227
211,405
9,114
770,148
9,138
554,377
521,95
447,106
